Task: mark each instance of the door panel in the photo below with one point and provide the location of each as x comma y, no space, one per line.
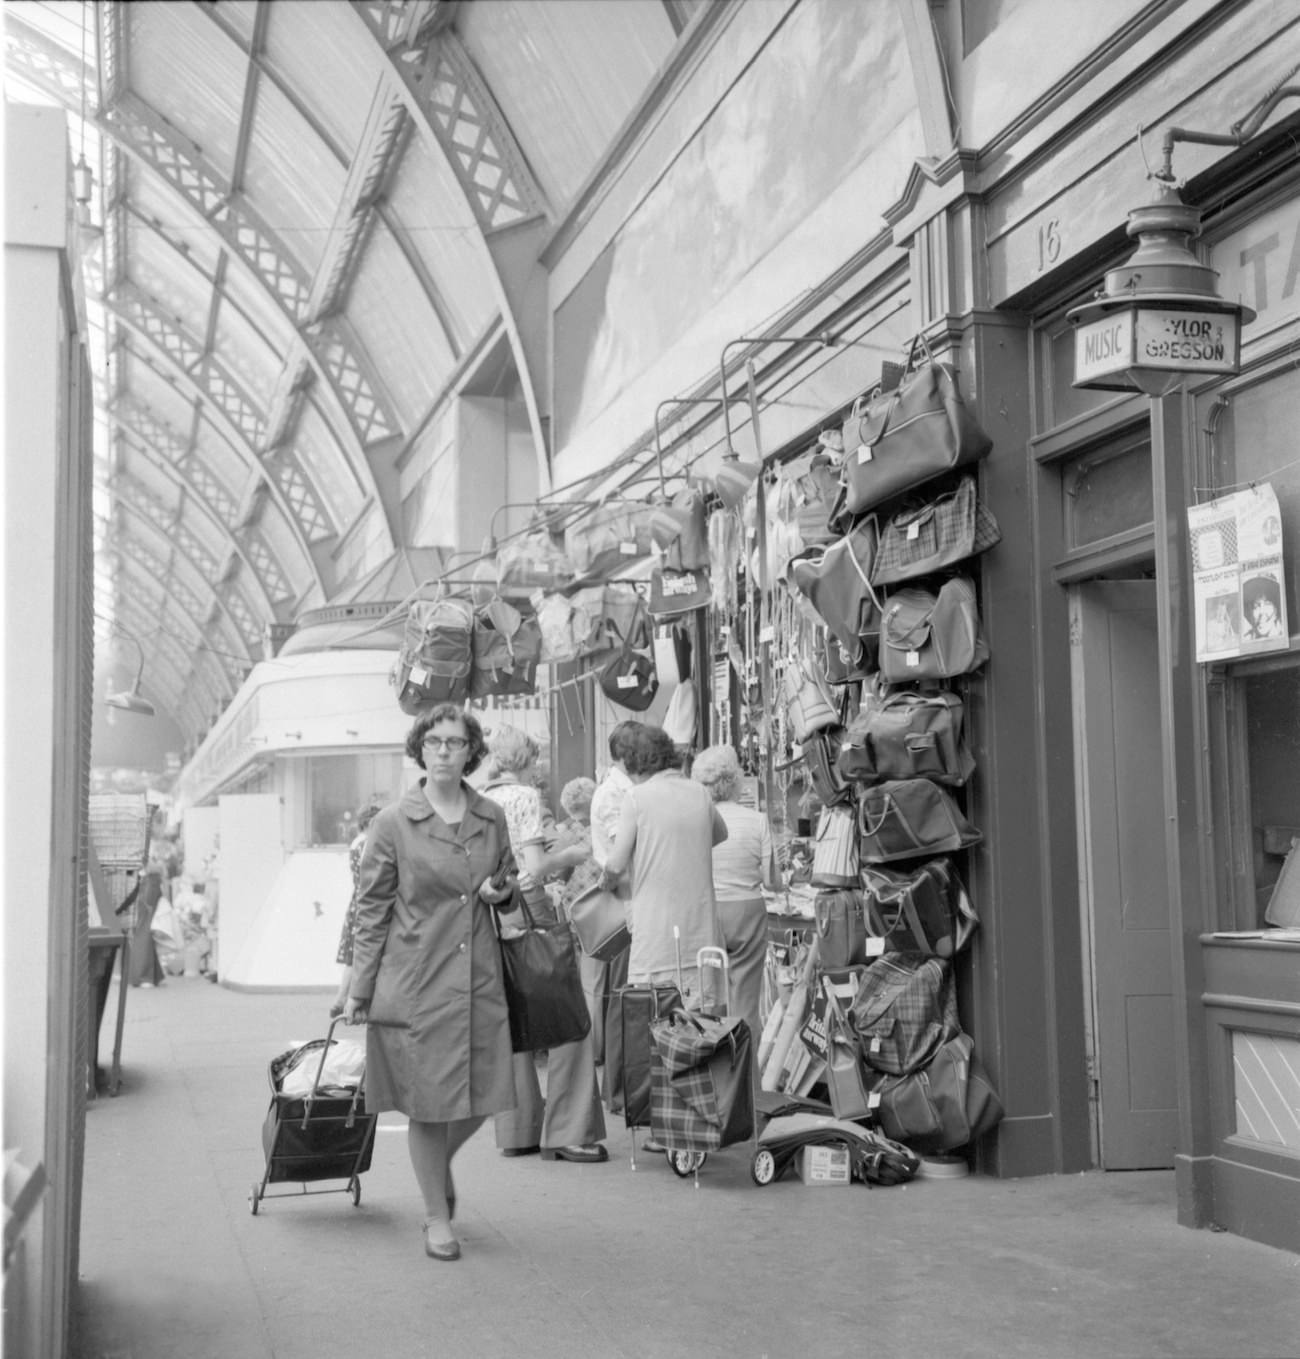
1126,875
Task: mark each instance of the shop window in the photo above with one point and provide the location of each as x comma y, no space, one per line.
1271,718
339,784
1107,493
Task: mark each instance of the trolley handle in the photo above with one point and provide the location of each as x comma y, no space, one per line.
315,1085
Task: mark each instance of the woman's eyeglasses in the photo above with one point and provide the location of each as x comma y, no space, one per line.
455,744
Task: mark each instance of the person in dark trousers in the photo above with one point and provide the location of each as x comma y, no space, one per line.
423,907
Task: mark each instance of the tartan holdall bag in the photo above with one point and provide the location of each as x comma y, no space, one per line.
701,1081
904,1011
910,435
910,819
950,528
926,910
907,735
925,636
944,1106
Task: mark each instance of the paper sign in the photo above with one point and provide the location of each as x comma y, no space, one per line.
1239,592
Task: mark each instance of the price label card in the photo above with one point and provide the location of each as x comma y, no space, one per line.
627,549
913,532
418,674
876,1043
768,634
626,681
864,453
913,658
873,1100
875,948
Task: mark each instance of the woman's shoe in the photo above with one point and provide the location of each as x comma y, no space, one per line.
592,1152
440,1250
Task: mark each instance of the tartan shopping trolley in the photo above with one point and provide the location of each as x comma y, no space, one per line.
325,1134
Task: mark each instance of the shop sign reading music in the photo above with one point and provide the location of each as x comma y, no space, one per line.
1150,337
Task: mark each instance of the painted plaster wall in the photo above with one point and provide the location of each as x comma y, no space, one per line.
785,178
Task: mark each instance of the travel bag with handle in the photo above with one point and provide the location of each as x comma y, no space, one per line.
926,636
928,537
835,850
942,1107
904,1011
906,734
925,909
904,438
701,1080
437,654
910,819
631,1011
836,581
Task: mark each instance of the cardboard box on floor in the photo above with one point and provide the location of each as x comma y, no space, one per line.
824,1166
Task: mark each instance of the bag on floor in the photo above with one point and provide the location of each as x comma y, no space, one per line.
909,819
924,910
701,1081
437,654
944,1106
926,538
925,636
903,438
544,994
905,1010
907,735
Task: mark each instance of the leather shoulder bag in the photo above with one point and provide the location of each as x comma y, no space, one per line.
925,636
910,819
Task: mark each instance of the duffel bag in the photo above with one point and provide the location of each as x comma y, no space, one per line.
926,910
907,735
925,636
909,819
910,435
836,581
926,538
942,1107
905,1010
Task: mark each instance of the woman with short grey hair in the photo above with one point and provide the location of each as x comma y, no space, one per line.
742,865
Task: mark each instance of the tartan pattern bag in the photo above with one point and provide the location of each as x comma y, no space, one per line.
927,538
701,1081
905,1010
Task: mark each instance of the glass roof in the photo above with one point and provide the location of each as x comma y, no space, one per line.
286,255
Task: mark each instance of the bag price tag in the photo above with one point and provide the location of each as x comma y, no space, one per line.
768,634
418,674
626,682
913,531
876,1044
864,453
873,1100
627,549
913,658
875,948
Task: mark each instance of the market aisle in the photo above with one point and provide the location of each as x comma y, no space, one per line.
564,1261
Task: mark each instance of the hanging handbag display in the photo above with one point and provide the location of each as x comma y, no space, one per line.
909,819
835,848
907,735
836,581
922,910
604,540
539,966
944,1106
910,435
950,528
904,1011
809,706
925,636
677,592
840,919
532,561
815,491
683,537
628,678
819,754
599,919
507,649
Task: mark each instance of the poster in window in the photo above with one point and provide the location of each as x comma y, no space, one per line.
1238,588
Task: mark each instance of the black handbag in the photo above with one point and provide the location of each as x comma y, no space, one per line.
539,965
628,678
907,735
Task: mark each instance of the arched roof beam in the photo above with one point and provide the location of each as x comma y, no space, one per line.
455,109
242,423
139,132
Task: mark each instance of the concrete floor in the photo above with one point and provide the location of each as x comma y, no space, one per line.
565,1260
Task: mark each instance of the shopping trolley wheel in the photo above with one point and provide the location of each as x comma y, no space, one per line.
254,1194
762,1169
354,1188
686,1163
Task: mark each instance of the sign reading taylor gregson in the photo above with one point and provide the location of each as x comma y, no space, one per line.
1188,341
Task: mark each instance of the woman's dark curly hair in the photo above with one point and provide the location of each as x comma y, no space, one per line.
447,712
649,750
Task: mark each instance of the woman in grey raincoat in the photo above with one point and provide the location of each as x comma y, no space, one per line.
425,953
